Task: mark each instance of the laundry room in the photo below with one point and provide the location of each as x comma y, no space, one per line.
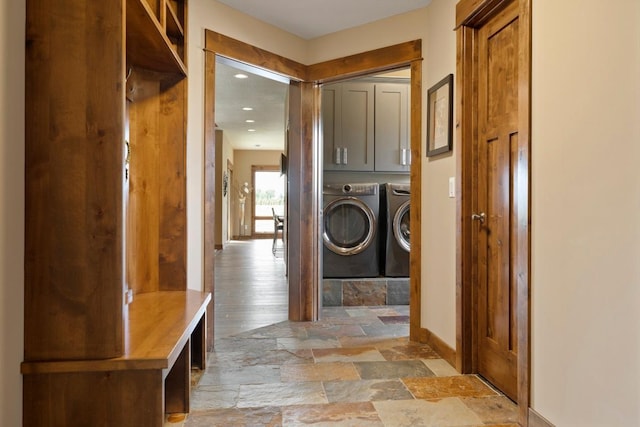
366,190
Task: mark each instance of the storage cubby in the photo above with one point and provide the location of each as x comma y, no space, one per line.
110,328
156,41
175,23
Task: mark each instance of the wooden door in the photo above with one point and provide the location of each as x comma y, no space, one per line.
497,149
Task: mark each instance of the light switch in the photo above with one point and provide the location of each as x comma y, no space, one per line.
452,187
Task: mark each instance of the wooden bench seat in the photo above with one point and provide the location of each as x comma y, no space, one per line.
164,337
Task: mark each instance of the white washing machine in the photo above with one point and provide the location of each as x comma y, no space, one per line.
395,226
350,230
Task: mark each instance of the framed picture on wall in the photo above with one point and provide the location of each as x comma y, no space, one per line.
440,117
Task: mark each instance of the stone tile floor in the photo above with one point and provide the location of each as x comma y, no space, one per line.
355,367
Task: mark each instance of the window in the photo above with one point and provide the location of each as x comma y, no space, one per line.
268,193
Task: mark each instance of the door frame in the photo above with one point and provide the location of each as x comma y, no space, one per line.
230,203
304,158
470,16
403,55
216,44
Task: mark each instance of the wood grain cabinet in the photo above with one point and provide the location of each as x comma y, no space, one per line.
105,190
366,127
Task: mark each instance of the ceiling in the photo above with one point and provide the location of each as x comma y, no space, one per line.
314,18
267,97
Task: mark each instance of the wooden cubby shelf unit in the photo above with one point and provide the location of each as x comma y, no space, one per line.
165,336
149,45
111,329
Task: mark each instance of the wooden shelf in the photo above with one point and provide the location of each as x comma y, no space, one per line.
148,46
158,327
165,336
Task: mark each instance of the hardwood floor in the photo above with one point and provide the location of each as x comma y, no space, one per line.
251,289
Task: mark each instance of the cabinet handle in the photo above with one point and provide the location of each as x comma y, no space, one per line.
405,157
337,156
344,156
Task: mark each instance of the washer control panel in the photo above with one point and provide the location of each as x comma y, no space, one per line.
360,189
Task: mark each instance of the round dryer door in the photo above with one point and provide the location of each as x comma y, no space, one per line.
401,229
349,226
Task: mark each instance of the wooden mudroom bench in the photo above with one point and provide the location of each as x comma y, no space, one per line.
164,337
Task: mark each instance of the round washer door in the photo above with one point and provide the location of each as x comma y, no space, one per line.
349,226
401,229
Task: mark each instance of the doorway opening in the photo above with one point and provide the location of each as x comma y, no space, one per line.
250,107
366,150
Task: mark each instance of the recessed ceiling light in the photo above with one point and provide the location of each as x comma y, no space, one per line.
251,130
250,121
241,76
247,108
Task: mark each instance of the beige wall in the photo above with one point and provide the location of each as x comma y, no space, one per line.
12,17
386,32
438,210
586,212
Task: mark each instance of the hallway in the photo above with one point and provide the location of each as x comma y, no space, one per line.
250,287
355,367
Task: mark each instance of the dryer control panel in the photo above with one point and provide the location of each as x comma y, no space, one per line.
352,189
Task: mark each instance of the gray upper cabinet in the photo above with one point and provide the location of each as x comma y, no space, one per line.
392,147
332,125
348,126
366,127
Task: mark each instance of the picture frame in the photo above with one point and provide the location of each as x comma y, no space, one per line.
440,117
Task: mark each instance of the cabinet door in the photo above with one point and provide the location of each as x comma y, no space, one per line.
392,147
332,126
358,126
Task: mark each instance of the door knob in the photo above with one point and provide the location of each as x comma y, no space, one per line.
478,217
